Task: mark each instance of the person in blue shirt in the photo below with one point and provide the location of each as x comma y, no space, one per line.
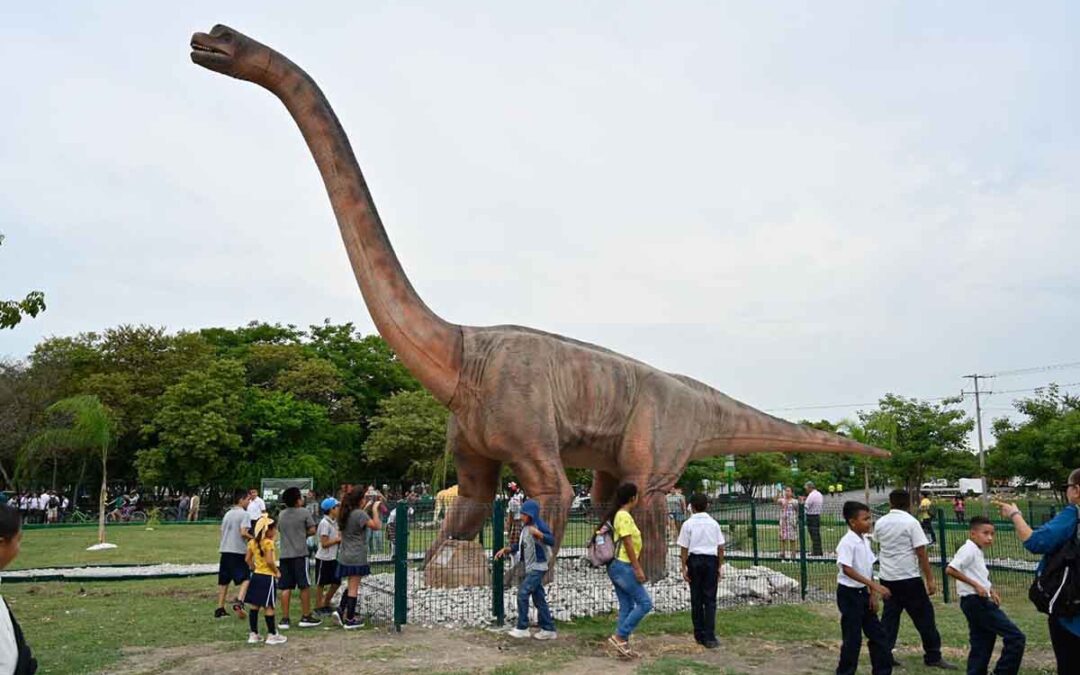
1064,632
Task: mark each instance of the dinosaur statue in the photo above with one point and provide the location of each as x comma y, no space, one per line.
532,400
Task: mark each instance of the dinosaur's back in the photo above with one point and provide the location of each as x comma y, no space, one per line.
587,390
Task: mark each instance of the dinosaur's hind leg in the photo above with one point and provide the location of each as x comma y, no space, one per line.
478,478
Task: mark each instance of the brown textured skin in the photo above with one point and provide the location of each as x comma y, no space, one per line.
535,401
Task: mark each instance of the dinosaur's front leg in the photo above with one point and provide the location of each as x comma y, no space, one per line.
545,481
478,478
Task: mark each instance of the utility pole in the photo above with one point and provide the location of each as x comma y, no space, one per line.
978,426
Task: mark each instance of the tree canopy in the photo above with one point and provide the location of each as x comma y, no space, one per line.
1045,446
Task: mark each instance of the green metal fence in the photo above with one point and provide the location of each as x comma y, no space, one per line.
769,553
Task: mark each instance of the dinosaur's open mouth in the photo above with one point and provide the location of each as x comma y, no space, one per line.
203,45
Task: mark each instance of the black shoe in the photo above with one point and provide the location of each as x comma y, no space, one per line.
220,612
943,664
710,644
309,622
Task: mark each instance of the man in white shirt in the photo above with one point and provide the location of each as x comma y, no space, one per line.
701,548
856,595
256,508
903,555
813,504
981,605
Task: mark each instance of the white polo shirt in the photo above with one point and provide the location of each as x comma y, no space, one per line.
899,534
256,507
701,535
969,559
855,552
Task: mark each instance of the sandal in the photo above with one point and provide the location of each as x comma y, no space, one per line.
623,648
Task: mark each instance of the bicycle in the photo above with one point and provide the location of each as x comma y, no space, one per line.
80,517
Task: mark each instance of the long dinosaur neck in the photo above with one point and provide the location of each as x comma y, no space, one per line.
426,344
740,429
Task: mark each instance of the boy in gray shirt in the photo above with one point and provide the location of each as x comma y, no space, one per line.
232,567
295,525
533,550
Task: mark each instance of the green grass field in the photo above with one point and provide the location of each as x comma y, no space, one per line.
81,628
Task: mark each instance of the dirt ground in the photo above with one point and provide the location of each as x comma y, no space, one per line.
439,651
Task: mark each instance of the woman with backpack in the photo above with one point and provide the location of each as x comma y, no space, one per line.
1048,540
625,570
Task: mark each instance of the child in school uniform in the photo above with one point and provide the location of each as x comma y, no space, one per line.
262,559
981,605
15,655
328,536
701,550
856,596
354,522
533,550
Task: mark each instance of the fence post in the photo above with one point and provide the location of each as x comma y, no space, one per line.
753,529
498,608
401,565
803,576
942,547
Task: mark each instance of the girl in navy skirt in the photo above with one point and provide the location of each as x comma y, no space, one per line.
354,522
262,559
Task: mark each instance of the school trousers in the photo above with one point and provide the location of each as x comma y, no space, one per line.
909,595
856,619
986,621
704,571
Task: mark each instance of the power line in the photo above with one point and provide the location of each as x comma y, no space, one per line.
1018,391
1036,369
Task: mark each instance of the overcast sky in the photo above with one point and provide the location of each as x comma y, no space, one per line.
805,204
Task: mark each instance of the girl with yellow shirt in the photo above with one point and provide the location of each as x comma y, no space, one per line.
625,570
262,559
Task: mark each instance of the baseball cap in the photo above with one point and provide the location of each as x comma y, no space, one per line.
328,504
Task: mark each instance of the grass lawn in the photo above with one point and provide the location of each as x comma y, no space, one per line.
80,628
46,547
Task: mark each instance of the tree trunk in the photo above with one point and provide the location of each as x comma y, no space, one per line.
101,503
78,484
54,463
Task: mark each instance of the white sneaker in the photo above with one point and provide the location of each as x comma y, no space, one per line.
254,638
276,639
519,633
546,635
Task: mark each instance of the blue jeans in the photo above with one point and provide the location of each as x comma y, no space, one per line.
375,541
986,621
532,586
634,600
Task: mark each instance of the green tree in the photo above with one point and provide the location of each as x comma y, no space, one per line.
196,428
13,311
90,429
759,469
408,437
922,436
1045,446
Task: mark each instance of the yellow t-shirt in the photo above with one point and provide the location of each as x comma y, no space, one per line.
624,525
269,552
924,507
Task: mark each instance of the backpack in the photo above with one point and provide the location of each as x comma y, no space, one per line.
603,547
1057,590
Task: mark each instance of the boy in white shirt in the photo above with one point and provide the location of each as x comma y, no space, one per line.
327,579
981,605
856,596
701,548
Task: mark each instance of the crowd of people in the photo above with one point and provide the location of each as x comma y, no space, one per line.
47,506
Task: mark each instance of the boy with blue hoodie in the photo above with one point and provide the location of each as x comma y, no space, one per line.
533,550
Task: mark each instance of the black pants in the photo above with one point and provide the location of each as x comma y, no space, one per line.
704,573
928,528
813,526
1066,646
909,595
856,619
986,621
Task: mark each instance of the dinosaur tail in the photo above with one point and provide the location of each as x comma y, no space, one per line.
747,430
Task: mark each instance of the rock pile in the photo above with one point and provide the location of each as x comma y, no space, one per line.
578,590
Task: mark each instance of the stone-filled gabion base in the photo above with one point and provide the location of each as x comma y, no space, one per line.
577,591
